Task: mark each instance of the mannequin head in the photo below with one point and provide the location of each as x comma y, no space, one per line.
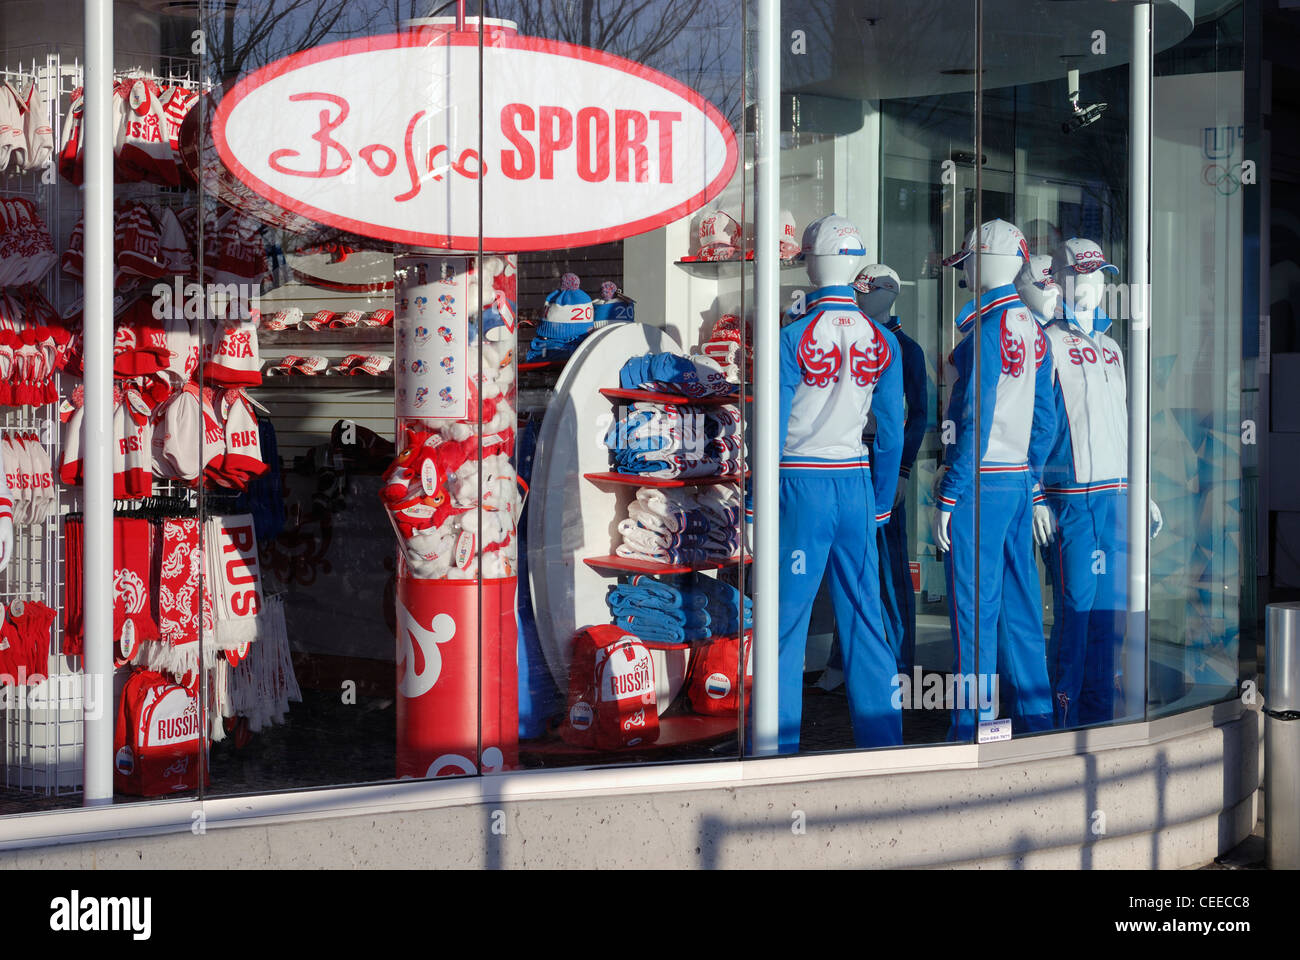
1037,288
996,270
878,287
1085,291
1080,269
1002,251
832,247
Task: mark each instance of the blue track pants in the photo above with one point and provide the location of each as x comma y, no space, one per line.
1008,590
828,526
1087,566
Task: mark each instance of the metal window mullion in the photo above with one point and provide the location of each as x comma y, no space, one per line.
766,430
98,418
976,385
1135,665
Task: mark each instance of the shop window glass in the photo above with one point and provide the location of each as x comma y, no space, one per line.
1203,388
433,385
878,131
445,530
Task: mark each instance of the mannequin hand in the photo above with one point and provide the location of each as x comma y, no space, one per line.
1157,520
1044,524
900,494
6,541
942,519
938,479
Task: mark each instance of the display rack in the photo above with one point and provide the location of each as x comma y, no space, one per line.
712,269
637,480
361,381
367,336
43,738
672,399
627,565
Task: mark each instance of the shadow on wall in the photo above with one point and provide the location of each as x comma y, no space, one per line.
1000,816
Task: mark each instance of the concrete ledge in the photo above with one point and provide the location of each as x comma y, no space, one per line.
1166,794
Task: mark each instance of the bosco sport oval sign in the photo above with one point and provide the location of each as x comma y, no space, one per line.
379,136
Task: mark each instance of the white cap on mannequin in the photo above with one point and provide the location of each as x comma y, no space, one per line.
996,237
831,236
877,276
1081,256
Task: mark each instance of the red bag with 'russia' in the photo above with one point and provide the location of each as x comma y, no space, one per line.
158,737
611,691
711,687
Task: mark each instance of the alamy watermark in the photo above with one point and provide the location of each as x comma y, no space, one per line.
35,691
935,691
193,301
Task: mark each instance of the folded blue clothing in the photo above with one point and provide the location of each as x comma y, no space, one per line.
675,373
678,607
648,629
677,617
691,611
671,620
653,599
668,587
723,604
623,434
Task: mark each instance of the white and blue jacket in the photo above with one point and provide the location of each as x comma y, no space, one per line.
1017,411
837,368
1089,453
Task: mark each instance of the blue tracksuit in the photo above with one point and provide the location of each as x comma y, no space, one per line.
898,600
1017,424
837,368
1086,481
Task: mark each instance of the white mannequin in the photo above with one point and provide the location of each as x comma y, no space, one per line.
1044,303
833,270
1085,297
996,270
1084,292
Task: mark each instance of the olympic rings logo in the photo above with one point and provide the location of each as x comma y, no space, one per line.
1226,180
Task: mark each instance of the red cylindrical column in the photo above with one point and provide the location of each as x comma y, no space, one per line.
441,706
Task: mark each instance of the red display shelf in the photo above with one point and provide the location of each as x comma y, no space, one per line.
615,562
675,730
653,396
633,480
542,365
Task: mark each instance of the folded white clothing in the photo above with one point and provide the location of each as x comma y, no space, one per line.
665,502
723,421
673,555
719,497
674,521
640,538
692,520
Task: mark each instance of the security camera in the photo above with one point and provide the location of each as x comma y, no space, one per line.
1080,115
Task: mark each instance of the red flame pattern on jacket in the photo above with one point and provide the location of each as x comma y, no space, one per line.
867,366
1013,352
820,366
